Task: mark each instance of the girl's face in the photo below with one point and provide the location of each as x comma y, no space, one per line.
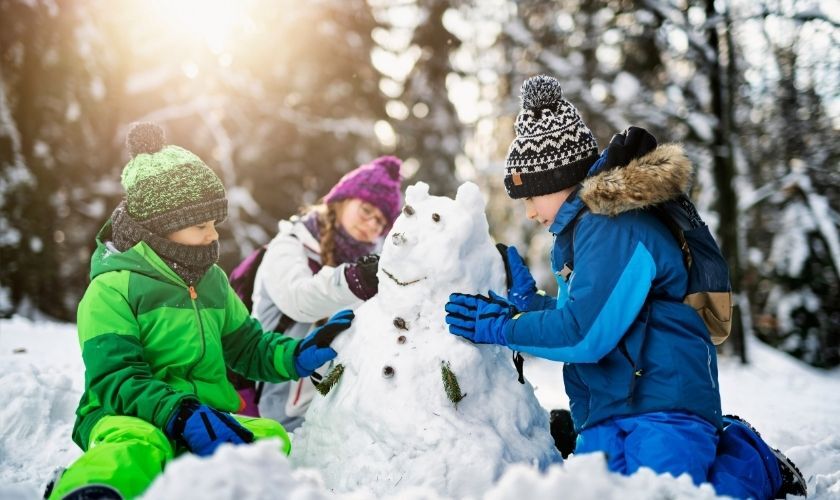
197,235
543,209
362,220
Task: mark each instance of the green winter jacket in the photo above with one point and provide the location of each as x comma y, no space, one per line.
149,341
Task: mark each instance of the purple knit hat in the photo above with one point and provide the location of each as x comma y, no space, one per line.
377,183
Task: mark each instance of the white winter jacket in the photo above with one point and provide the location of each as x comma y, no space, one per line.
285,284
284,281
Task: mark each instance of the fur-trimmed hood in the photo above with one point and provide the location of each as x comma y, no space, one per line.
658,176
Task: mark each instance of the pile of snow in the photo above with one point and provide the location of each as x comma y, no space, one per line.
793,405
261,471
41,380
388,424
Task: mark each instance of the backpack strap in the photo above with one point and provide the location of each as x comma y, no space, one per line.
676,232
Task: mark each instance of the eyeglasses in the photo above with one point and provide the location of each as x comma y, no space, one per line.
368,212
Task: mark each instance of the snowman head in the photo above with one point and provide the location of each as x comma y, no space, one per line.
439,245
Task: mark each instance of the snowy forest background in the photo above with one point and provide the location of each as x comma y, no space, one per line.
282,97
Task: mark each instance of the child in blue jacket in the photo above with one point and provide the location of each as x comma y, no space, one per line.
640,369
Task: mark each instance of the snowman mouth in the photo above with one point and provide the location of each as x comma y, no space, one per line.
401,283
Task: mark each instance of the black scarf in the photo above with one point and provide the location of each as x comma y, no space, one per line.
188,261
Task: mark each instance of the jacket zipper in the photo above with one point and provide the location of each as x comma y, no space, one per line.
193,297
637,372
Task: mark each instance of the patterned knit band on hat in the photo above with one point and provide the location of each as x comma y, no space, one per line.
377,183
167,187
553,148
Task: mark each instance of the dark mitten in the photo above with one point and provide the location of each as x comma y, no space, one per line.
315,350
628,145
202,429
521,284
479,319
361,276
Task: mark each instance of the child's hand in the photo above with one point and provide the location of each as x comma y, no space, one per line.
633,143
315,350
361,276
478,318
521,285
202,429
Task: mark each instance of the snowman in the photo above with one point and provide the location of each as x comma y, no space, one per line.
408,404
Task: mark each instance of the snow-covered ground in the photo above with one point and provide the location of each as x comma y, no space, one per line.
797,408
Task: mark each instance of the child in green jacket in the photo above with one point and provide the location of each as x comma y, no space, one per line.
159,324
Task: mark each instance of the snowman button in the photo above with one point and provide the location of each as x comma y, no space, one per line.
400,323
401,339
388,372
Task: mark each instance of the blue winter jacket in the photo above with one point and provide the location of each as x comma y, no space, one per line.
629,343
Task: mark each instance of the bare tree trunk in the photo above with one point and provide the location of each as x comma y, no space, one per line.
724,167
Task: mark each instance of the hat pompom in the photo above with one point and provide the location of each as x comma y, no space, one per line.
391,164
145,138
541,91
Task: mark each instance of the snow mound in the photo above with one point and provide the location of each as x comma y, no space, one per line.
587,478
389,423
259,471
39,398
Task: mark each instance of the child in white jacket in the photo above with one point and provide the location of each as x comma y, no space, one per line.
320,263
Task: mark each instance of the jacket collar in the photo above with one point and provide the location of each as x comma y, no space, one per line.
658,176
140,259
573,205
568,212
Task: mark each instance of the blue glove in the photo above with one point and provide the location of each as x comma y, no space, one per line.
315,350
479,319
202,429
521,285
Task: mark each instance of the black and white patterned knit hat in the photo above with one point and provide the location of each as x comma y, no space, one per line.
553,149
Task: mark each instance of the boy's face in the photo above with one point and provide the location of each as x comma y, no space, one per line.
197,235
543,209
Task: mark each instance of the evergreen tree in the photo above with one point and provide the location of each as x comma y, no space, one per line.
58,125
793,273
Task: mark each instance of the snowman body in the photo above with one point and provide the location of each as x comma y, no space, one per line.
389,423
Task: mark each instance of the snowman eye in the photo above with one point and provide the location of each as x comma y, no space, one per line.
436,217
408,210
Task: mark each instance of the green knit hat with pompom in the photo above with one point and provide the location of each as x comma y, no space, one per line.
168,188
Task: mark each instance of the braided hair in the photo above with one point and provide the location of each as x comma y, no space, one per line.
328,218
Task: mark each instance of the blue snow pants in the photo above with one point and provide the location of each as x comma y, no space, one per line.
735,460
672,442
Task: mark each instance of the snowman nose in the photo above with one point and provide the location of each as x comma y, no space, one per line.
398,239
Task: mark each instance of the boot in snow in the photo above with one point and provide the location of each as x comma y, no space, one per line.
792,481
56,474
94,492
563,431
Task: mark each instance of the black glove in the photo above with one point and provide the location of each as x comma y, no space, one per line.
361,276
624,147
